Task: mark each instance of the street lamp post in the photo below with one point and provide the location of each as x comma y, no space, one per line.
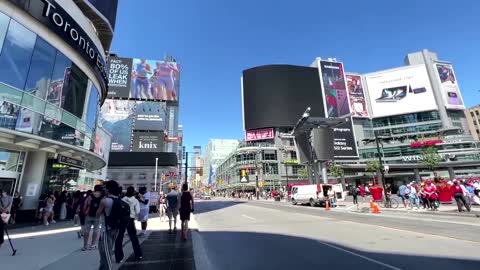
156,172
382,174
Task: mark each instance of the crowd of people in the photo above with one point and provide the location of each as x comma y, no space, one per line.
106,213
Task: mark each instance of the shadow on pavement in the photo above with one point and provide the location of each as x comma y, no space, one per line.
246,250
209,206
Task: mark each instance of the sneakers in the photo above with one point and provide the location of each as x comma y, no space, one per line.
53,222
169,231
46,224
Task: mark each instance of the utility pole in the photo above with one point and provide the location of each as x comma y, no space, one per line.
186,167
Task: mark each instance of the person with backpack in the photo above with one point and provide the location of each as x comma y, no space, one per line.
117,215
90,208
130,228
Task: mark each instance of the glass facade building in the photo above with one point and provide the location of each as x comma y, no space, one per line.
50,98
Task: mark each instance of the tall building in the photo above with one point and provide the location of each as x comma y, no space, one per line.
473,119
53,81
215,152
141,112
196,154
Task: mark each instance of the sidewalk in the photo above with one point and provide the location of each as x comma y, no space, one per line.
57,247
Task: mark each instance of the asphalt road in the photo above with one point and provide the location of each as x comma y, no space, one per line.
269,235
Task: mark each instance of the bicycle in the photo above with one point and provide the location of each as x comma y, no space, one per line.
389,203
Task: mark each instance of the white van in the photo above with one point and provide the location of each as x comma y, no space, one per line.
315,194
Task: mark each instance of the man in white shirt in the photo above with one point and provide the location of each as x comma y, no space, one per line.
144,199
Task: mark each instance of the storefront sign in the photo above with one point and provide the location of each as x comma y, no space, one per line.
71,162
427,143
420,157
290,161
52,15
172,139
259,134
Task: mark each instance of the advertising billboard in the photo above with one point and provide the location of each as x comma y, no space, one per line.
147,141
450,90
150,115
156,80
400,91
119,77
117,118
277,95
334,89
356,96
259,134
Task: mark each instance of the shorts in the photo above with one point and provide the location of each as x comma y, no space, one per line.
403,197
171,213
143,215
91,221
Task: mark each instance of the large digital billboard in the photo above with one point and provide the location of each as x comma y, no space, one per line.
277,95
150,115
259,134
450,90
119,77
117,117
356,96
156,80
334,88
147,141
400,91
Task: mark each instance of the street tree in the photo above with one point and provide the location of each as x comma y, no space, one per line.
430,158
336,170
303,172
372,166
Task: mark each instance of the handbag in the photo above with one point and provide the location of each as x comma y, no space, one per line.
5,217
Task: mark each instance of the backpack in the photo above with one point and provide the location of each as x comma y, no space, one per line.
94,204
355,191
119,214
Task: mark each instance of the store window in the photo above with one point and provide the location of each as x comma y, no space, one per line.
293,155
11,160
41,67
16,55
8,115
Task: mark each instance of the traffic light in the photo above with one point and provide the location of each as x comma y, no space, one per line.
244,172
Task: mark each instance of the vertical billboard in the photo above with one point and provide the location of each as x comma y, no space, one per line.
147,141
334,89
155,80
356,96
450,90
119,77
150,115
335,99
400,91
117,117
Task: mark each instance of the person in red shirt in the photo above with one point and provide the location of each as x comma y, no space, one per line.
362,191
431,195
459,193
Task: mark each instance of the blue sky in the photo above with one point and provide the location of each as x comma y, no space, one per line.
214,40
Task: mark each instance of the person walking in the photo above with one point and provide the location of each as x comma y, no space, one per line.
186,207
355,193
413,197
16,204
402,194
431,194
130,228
163,207
91,205
361,190
172,209
48,213
5,207
460,193
109,232
144,199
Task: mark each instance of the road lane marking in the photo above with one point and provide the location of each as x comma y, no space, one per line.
361,256
251,218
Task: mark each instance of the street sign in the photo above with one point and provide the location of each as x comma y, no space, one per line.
243,180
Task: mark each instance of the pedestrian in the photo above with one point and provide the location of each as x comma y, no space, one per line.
144,199
48,214
172,208
431,194
130,228
163,207
361,190
90,208
16,204
413,197
402,194
331,196
423,196
460,194
109,208
5,207
186,207
63,205
355,192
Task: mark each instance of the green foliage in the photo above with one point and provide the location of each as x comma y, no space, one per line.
372,166
430,158
335,169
